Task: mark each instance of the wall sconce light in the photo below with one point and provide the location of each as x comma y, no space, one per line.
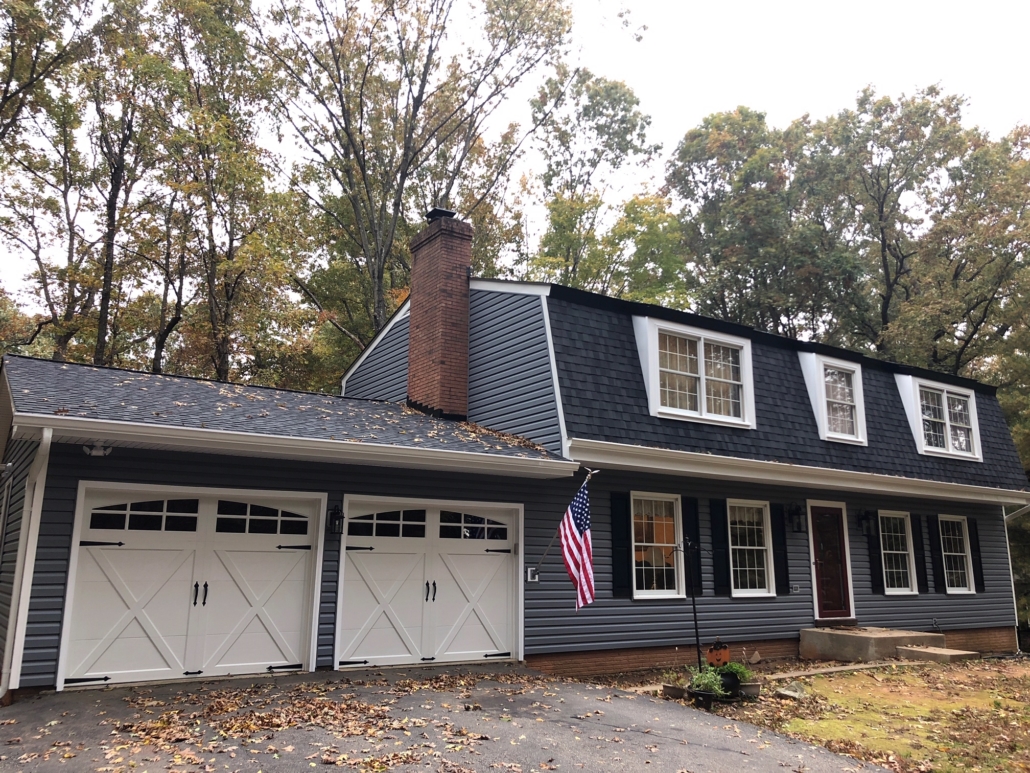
336,520
867,521
798,521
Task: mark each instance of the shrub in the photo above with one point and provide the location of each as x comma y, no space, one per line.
707,679
742,672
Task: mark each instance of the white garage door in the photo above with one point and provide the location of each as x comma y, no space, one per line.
172,587
427,584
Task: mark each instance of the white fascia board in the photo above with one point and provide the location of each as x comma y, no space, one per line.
398,315
554,378
308,449
515,288
621,456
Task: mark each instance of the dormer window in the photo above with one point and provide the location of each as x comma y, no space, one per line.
694,374
835,390
942,417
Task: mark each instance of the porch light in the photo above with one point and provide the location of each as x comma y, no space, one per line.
865,519
336,520
796,512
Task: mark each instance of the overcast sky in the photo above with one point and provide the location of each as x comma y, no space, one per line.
792,57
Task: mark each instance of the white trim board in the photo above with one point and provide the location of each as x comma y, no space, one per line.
554,378
515,288
621,456
401,313
285,447
315,578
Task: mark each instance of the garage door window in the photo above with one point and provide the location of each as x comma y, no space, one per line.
152,515
244,518
391,523
465,526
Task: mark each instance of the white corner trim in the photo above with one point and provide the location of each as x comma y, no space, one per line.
543,289
620,456
812,367
400,314
554,377
313,449
908,388
646,329
25,564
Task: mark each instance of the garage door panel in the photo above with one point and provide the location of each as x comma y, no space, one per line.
473,605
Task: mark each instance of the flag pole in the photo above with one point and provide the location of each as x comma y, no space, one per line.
590,474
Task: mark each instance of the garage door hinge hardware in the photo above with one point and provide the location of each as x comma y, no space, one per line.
293,667
497,655
427,659
90,544
84,679
293,547
354,547
192,673
489,550
353,662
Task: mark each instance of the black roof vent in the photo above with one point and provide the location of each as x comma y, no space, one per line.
438,213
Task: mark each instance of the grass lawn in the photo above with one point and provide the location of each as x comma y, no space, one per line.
934,717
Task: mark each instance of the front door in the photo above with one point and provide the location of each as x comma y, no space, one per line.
831,562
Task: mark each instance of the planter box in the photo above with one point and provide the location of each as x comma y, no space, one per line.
750,690
673,691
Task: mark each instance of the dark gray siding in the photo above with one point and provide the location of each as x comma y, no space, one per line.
510,383
20,453
604,398
383,374
551,623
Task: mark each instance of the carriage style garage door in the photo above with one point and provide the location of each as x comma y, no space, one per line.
427,584
169,587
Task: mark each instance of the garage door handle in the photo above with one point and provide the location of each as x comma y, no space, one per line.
196,590
434,590
205,595
427,590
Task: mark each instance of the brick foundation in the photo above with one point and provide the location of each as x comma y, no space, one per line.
983,640
598,662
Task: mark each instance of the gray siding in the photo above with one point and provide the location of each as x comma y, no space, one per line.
20,453
551,623
510,384
383,375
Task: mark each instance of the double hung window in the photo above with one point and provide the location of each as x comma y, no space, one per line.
657,536
751,561
896,552
955,551
835,389
942,417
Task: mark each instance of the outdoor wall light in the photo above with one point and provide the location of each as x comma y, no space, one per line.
336,520
866,520
798,522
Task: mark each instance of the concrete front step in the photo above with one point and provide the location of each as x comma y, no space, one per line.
862,645
935,654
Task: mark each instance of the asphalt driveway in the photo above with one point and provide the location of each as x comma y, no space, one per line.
426,719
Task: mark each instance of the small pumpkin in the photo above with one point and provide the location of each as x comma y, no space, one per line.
718,654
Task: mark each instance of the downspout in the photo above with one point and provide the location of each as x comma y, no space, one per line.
35,485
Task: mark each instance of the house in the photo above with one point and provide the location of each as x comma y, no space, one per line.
158,527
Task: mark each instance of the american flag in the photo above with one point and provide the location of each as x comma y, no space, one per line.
576,548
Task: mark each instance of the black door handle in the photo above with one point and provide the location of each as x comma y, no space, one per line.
196,589
427,590
205,595
434,590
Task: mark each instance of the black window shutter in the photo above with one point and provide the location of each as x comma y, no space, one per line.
778,521
919,554
720,546
936,554
692,531
974,553
875,555
622,546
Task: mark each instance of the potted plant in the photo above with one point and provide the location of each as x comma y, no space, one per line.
705,686
673,685
747,685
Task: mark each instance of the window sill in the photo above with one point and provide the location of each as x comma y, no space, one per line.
951,455
898,592
960,592
658,596
752,594
849,439
671,413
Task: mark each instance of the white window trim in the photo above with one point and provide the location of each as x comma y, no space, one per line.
970,581
908,387
680,591
770,569
813,366
646,330
913,586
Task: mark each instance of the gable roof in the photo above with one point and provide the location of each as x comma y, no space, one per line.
81,402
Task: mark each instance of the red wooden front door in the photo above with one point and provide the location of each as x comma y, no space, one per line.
831,562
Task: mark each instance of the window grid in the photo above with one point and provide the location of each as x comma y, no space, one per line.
683,379
947,420
840,401
749,547
895,549
956,554
655,544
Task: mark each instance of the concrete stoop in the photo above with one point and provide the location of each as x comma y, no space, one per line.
862,645
935,654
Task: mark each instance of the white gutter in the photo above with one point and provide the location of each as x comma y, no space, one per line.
310,449
25,563
1017,513
619,456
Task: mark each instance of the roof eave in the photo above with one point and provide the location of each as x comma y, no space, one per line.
205,440
623,456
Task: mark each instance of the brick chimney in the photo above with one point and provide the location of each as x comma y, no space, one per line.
438,338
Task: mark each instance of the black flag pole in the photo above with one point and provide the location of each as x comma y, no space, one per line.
688,551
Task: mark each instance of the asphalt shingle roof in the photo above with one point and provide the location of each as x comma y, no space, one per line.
44,387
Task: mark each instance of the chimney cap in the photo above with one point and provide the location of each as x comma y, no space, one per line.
438,213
